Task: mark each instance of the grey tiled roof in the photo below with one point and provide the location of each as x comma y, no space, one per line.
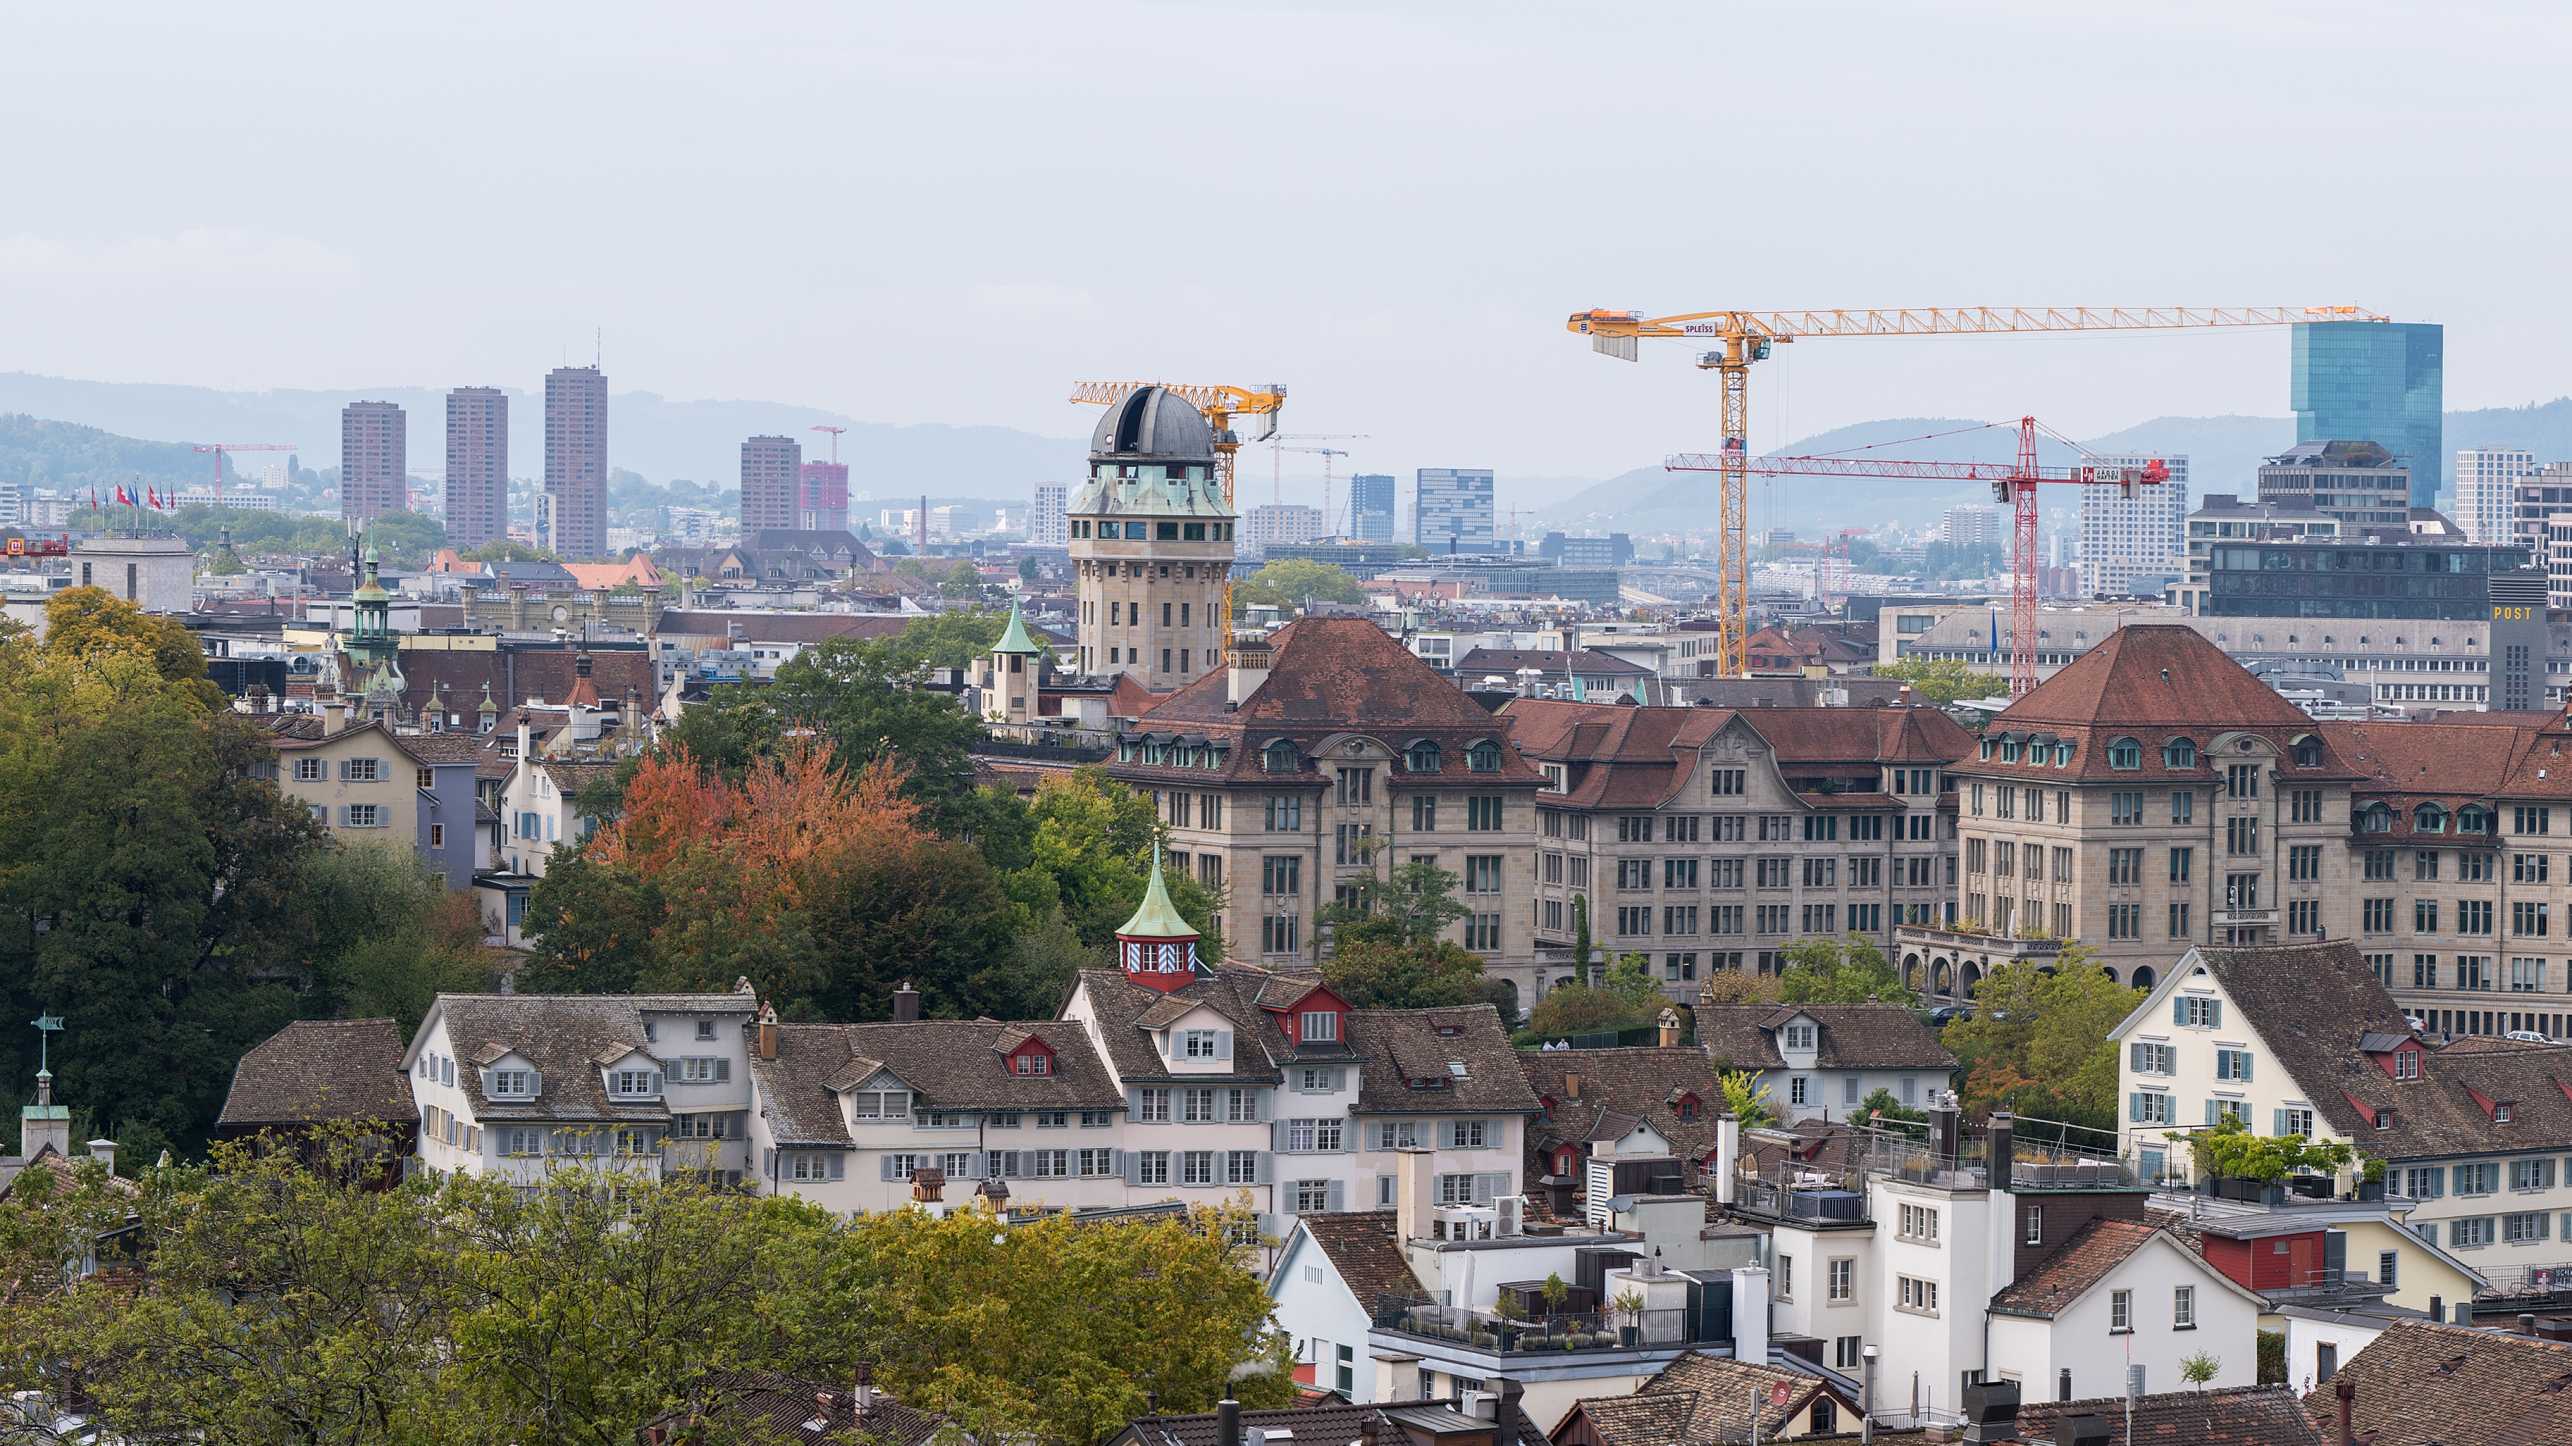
1854,1036
1408,1062
564,1036
1122,1006
1647,1083
321,1069
951,1064
2454,1386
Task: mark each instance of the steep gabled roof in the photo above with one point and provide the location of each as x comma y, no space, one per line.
1362,1247
321,1069
1437,1061
2424,1383
2076,1267
1644,1083
1699,1398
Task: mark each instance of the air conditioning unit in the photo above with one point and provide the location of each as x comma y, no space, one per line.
1508,1209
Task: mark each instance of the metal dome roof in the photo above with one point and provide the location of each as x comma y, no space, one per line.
1154,422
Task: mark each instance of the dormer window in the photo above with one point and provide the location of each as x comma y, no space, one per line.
2502,1110
1032,1063
1483,757
883,1104
1208,1044
1320,1026
634,1084
2406,1064
1278,756
513,1084
1423,756
2179,753
1800,1036
2125,755
2429,818
2308,749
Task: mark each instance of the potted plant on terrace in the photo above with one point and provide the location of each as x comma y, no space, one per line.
1629,1307
2239,1165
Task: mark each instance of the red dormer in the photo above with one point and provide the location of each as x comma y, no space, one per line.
1686,1105
1317,1016
1022,1053
2498,1111
2401,1059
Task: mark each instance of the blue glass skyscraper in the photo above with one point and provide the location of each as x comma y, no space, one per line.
2375,381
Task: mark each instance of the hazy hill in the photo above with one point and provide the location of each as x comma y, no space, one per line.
67,456
649,434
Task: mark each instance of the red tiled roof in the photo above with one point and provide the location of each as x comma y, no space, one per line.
2454,1386
1620,756
2153,674
2075,1268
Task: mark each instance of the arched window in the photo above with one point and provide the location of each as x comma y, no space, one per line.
2062,755
2125,753
2376,819
1483,757
2179,753
2473,818
1422,757
1987,750
2308,752
2429,818
1278,756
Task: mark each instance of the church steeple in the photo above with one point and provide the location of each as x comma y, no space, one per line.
1156,948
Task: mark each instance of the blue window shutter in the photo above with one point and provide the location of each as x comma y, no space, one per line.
2246,1066
1487,1187
2178,1010
2214,1014
1446,1134
884,1168
2277,1122
2134,1108
1335,1196
723,1071
1277,1136
1260,1171
2210,1112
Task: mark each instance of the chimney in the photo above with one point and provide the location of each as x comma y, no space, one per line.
863,1397
906,1004
1727,1157
1227,1422
2438,1309
104,1152
1668,1023
1991,1411
1506,1416
2084,1430
1750,1314
2346,1389
2526,1323
1415,1191
768,1031
2000,1136
1571,1087
1251,660
525,737
1942,1133
334,716
1397,1377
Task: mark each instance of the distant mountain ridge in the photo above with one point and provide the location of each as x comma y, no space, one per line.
647,433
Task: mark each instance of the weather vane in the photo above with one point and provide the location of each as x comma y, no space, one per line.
47,1026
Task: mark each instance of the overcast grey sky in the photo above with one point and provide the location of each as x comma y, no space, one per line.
950,212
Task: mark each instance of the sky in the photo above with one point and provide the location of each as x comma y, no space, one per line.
951,212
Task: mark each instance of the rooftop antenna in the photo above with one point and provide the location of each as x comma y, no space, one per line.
597,348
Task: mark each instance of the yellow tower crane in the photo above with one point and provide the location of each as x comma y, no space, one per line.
1220,404
1743,338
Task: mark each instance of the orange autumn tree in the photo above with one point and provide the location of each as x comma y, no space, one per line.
701,881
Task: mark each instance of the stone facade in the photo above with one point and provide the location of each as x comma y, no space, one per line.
1152,543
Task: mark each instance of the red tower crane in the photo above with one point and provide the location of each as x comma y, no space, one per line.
2011,482
835,435
219,448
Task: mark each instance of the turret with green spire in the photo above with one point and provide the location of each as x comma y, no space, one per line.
1157,948
1014,639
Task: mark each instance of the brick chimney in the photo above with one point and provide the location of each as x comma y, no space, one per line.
2347,1391
906,1004
767,1042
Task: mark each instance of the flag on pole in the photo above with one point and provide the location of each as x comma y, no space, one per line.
123,498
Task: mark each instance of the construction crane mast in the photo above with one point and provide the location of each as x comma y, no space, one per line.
2012,482
835,435
1744,338
219,448
1221,404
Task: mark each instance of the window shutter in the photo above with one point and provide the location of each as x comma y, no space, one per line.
487,1082
2246,1066
884,1168
1259,1104
2178,1010
1277,1136
1487,1187
2214,1014
658,1083
2210,1112
1223,1044
1448,1133
1335,1196
2277,1119
536,1081
839,1165
723,1071
1260,1173
2134,1109
1129,1164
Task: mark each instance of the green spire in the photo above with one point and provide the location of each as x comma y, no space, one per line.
1014,639
1156,917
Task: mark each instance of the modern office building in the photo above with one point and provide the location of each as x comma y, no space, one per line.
2487,486
2374,381
1048,520
2360,483
477,493
822,505
2373,577
1974,525
576,461
1452,509
2542,495
2132,545
373,461
1272,524
1371,507
771,483
1614,550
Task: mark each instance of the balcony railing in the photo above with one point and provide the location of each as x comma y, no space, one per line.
1491,1333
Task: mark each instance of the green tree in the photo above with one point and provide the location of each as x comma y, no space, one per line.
1942,682
2038,1042
149,876
508,550
1583,947
1375,973
1881,1103
388,937
1296,583
1412,907
1625,998
1746,1098
1850,970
